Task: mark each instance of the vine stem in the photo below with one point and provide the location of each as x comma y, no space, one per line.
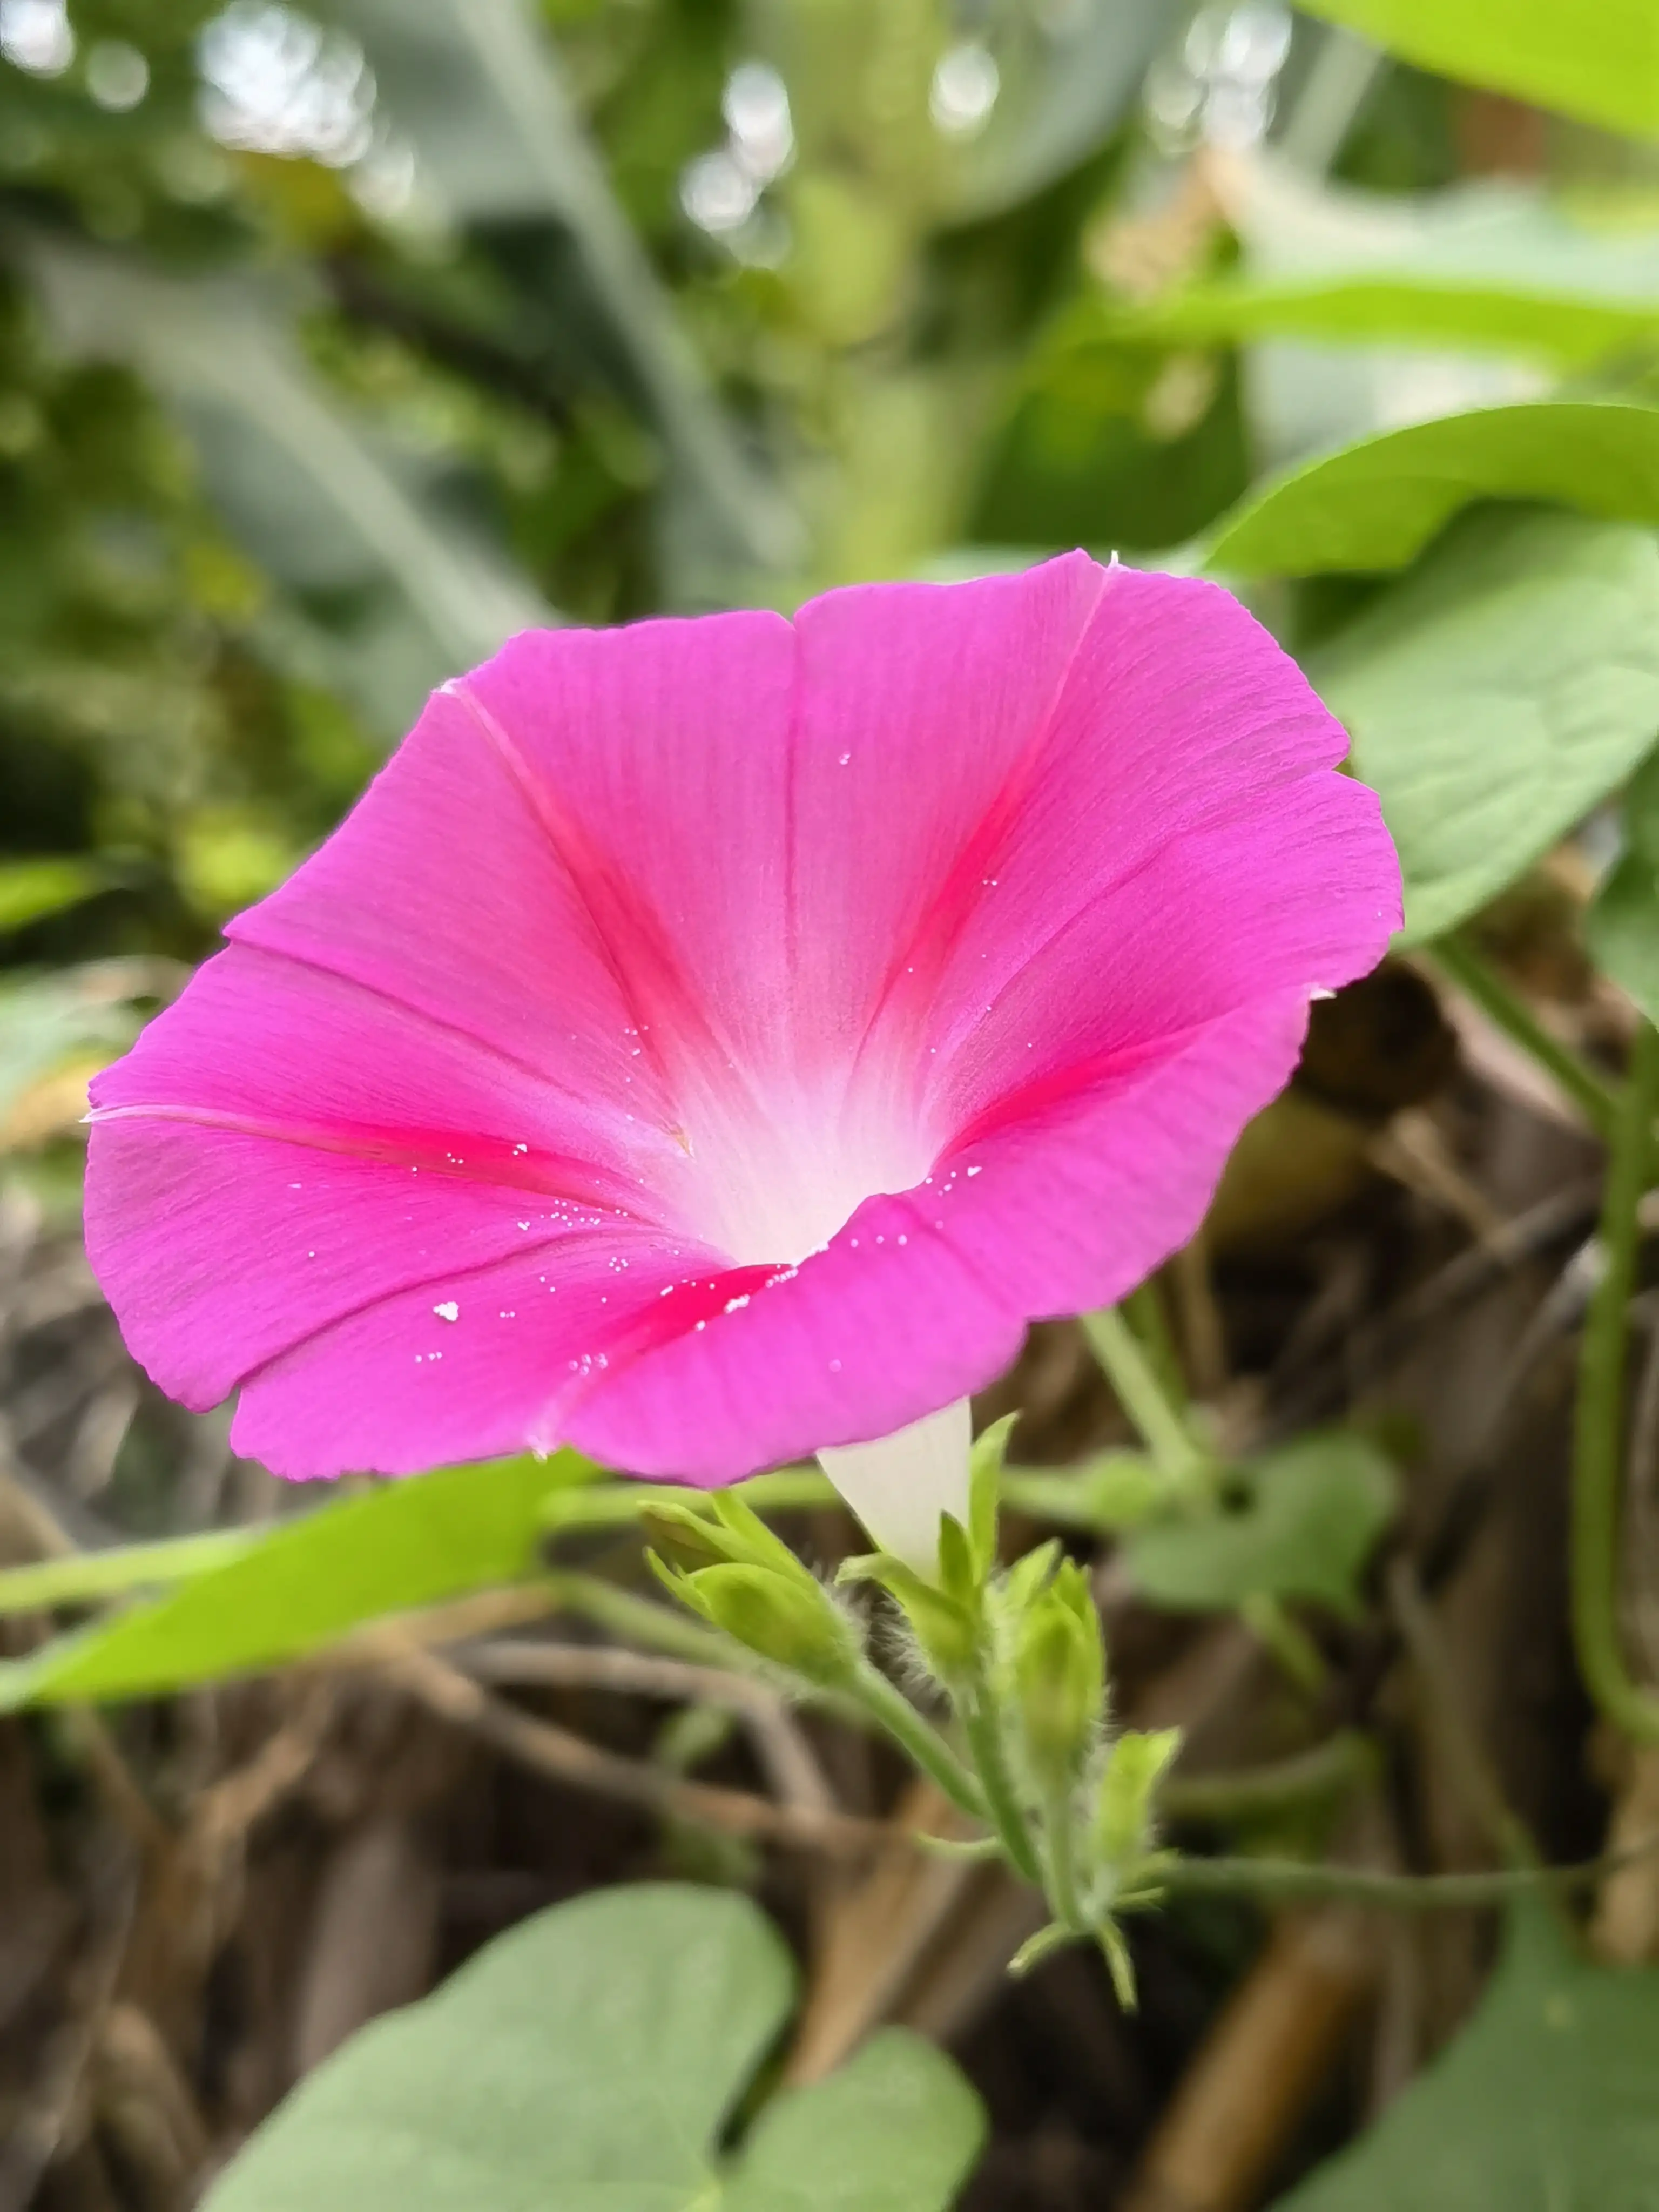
1599,1421
979,1722
1596,1099
1133,1378
1411,1892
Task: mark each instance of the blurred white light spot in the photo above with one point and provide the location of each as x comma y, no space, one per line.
717,193
755,105
1219,85
275,82
966,82
36,36
118,76
383,185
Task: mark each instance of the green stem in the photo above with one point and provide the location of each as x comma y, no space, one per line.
920,1742
1299,1657
1142,1397
1599,1428
1060,1840
1294,1879
1596,1098
1002,1807
1145,1312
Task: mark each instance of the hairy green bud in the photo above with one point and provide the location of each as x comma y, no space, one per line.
1059,1676
792,1621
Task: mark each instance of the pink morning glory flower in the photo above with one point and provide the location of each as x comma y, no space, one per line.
711,1042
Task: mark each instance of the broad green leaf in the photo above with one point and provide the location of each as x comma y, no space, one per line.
1485,267
1299,1523
1600,64
1566,329
1545,2103
1497,693
1374,505
32,889
1622,926
896,2130
308,1582
589,2060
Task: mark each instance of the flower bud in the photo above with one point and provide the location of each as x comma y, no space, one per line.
1059,1676
795,1623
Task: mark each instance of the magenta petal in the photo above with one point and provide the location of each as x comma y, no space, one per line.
714,1041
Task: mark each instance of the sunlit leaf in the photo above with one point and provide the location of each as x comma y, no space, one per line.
1544,2103
1496,694
589,2060
1374,505
32,889
1298,1523
1602,66
1557,327
308,1582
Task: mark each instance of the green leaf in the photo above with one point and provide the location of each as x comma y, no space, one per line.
1497,693
32,889
896,2130
1376,504
1603,67
1299,1523
1621,929
309,1582
588,2061
1544,2103
1566,329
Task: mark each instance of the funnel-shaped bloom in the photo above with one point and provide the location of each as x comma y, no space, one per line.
713,1040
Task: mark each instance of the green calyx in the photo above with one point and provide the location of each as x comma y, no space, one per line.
1059,1670
726,1564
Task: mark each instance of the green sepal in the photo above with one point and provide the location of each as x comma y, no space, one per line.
985,1465
1119,1963
1123,1806
958,1569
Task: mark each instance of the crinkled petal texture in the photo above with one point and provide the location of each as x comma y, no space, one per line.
711,1041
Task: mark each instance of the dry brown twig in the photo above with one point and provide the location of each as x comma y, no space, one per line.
568,1758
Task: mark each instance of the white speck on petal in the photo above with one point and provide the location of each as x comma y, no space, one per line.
449,1310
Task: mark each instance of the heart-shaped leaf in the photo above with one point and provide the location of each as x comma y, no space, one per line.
1497,693
1299,1523
1544,2103
591,2061
1376,504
